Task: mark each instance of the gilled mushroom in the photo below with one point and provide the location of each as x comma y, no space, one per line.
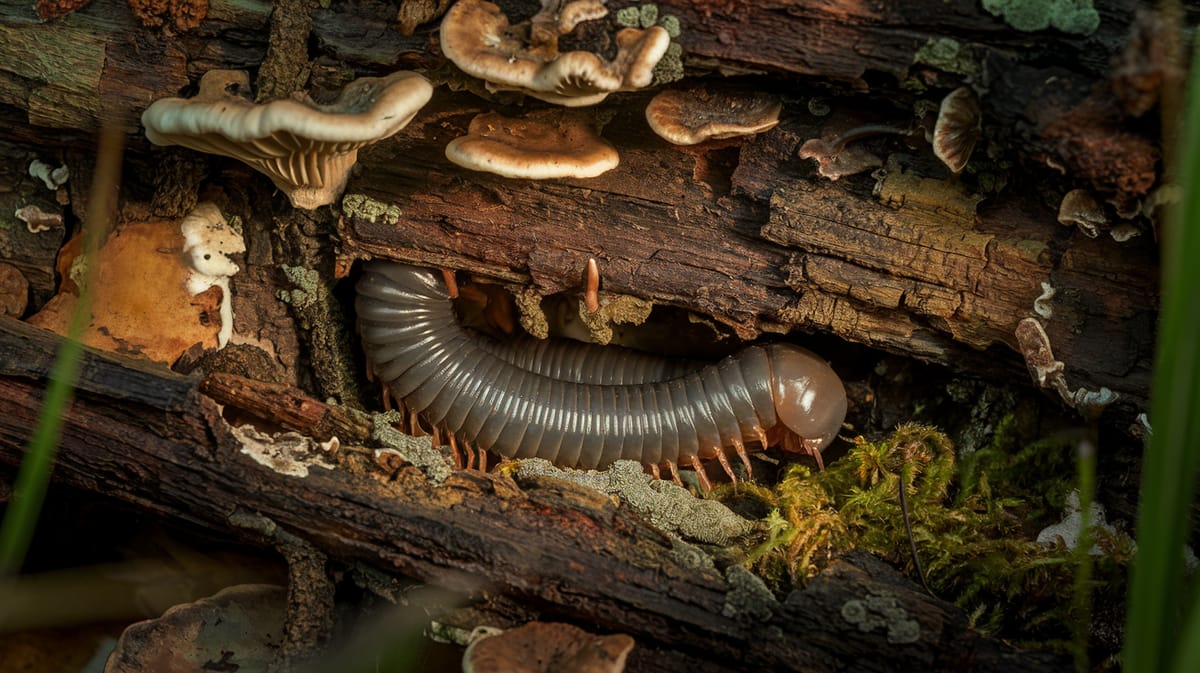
543,647
1080,209
305,148
958,128
476,37
540,146
688,117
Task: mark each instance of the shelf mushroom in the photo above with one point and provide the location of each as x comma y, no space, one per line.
305,148
545,647
684,117
476,37
958,128
540,146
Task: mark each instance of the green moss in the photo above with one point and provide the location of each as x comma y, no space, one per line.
948,55
973,522
1076,17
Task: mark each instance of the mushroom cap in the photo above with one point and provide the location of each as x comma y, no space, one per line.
688,117
540,146
476,37
958,128
545,647
836,160
305,148
1080,209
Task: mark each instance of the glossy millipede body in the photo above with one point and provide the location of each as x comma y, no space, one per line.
582,405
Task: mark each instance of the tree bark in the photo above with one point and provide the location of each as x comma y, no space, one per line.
147,436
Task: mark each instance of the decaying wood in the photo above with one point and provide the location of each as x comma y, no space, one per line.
744,232
148,436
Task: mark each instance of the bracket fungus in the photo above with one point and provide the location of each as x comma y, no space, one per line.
545,647
540,146
477,37
958,128
1080,209
307,149
684,117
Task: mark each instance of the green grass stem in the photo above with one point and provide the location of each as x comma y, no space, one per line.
33,477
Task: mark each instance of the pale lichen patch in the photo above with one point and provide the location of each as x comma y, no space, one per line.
288,453
417,450
882,610
748,598
366,208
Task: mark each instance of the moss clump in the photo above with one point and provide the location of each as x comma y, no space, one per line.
974,524
1076,17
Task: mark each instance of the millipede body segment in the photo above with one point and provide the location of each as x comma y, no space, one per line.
582,405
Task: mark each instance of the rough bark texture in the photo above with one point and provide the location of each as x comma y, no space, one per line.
150,437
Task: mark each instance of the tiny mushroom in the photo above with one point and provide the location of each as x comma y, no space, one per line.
837,158
305,148
208,240
689,117
1080,209
958,128
544,647
476,37
540,146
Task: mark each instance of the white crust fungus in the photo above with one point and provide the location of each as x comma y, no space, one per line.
208,240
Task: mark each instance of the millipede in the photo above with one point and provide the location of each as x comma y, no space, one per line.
584,405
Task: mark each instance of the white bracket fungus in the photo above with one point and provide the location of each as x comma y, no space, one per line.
305,148
52,177
288,453
1068,530
476,37
1048,372
540,146
687,117
37,220
1041,305
208,240
1080,209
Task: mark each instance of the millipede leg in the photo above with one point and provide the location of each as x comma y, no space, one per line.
674,473
724,461
654,471
470,453
705,484
762,436
483,460
814,449
437,436
591,289
451,284
458,459
741,452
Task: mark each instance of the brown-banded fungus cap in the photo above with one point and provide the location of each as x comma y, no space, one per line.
540,146
544,647
957,129
305,148
1079,208
477,37
688,117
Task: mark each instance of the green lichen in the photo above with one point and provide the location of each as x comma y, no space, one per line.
1076,17
670,66
648,15
366,208
629,16
320,315
948,55
670,23
974,522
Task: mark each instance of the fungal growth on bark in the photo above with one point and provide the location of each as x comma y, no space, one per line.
545,647
957,129
1080,209
687,117
540,146
478,38
307,149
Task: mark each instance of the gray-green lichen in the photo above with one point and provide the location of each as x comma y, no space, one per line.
417,450
320,316
366,208
306,282
668,507
628,16
670,66
748,598
948,55
882,610
1077,17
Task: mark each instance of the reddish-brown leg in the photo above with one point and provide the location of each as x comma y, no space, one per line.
813,448
705,484
451,283
674,473
724,461
591,291
458,459
741,452
483,460
654,471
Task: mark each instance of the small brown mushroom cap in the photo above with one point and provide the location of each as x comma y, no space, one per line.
476,37
958,128
540,146
544,647
306,149
688,117
1080,209
836,159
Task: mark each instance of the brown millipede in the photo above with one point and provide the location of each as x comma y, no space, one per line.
581,405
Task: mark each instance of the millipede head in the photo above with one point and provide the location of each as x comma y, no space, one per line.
810,400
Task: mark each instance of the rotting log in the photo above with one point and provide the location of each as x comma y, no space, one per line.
741,231
147,436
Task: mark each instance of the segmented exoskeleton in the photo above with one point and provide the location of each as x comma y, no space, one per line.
581,405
